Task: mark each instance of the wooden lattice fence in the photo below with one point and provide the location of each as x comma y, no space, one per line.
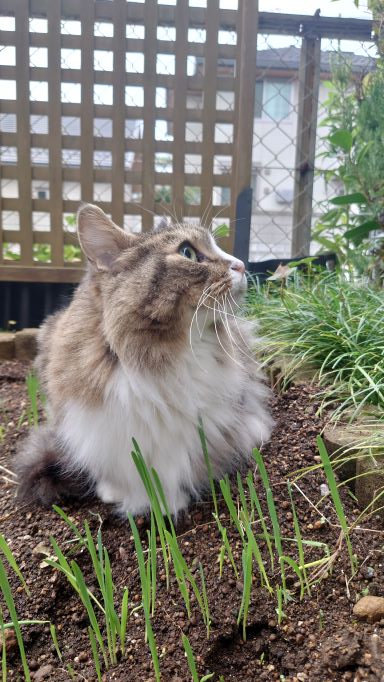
144,108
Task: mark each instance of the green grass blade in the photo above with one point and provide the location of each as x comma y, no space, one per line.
69,523
190,658
7,593
247,584
84,595
226,491
299,541
124,619
95,653
226,546
52,628
252,542
255,500
205,600
145,588
155,504
336,498
12,562
153,560
271,509
4,671
152,647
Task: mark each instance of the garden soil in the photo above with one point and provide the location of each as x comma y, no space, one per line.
318,639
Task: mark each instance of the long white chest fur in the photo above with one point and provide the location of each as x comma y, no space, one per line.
162,413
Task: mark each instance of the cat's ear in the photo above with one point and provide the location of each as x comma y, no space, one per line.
101,240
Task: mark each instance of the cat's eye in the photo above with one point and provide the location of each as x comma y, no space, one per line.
188,251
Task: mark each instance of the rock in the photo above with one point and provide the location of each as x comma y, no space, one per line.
341,651
370,482
282,372
43,672
324,490
10,640
337,439
341,440
7,346
41,550
26,344
369,608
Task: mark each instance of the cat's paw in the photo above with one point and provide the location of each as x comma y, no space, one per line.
108,492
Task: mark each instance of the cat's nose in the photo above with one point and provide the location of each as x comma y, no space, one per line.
238,265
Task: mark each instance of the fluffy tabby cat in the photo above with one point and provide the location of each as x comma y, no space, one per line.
149,344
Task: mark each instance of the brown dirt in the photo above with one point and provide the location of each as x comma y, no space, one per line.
319,639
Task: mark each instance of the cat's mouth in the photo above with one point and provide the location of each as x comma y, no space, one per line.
239,282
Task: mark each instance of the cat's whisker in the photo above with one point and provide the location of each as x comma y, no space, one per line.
200,303
233,341
217,214
240,348
225,321
206,213
231,296
218,337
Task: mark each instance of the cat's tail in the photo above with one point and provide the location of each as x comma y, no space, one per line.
43,473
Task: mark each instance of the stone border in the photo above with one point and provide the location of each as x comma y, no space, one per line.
19,345
364,472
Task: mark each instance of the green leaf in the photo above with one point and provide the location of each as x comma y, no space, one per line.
221,231
357,234
345,199
342,139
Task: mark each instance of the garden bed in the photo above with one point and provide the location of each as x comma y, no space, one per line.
318,638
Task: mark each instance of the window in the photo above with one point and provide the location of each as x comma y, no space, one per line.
273,99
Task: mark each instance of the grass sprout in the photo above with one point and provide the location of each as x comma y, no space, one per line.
146,592
192,662
14,623
330,476
101,611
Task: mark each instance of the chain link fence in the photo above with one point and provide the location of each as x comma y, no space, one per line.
279,126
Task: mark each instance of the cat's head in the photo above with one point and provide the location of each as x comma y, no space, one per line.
157,277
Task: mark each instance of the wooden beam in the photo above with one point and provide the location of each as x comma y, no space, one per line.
39,273
338,28
309,81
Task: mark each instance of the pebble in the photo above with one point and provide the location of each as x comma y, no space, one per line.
369,608
43,672
324,490
41,550
10,640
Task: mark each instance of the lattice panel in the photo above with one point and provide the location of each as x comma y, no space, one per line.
131,105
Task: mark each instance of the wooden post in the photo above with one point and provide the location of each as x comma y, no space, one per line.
23,106
54,138
87,18
179,112
245,101
309,81
118,115
209,111
149,117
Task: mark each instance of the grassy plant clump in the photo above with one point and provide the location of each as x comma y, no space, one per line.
107,625
331,324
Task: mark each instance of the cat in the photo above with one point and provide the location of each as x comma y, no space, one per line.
150,344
